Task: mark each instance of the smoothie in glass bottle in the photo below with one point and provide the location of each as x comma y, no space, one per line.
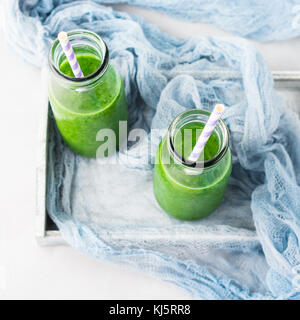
189,191
83,106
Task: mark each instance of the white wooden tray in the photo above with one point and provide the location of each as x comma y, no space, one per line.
46,231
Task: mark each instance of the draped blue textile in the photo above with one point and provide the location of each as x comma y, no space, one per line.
249,247
261,20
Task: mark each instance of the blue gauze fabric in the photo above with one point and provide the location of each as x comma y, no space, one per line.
262,20
249,247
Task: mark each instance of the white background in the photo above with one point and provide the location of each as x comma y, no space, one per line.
28,271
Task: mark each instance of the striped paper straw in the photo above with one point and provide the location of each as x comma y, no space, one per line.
207,131
68,50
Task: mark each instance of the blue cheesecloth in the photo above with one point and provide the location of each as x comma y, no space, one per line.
262,20
249,247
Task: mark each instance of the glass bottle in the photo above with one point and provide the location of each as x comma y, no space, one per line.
186,190
85,107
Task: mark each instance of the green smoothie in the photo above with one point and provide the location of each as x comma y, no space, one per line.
190,193
186,139
88,64
81,110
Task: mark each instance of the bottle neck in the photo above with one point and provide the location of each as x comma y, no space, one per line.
83,42
193,117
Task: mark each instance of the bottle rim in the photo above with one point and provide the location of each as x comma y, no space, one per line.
202,116
72,35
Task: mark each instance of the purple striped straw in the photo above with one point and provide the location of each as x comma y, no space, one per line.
206,132
68,50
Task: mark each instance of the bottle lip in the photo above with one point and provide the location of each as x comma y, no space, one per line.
73,35
192,115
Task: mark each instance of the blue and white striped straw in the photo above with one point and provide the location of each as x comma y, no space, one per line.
207,131
68,50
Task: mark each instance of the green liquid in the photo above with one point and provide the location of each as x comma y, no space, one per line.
88,64
81,113
189,196
186,139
